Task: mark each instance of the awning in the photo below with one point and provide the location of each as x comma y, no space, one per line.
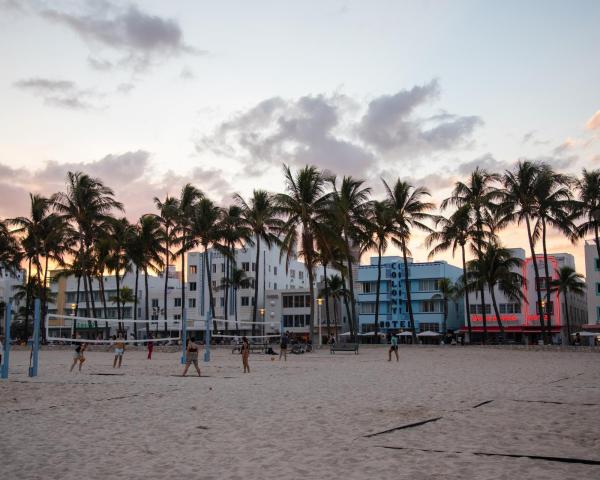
586,334
428,334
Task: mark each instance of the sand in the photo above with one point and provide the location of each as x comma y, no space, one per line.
308,418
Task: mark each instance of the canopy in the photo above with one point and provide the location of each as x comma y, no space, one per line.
404,334
428,334
585,334
347,334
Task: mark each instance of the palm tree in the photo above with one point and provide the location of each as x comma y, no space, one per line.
452,233
10,250
260,216
187,202
478,197
520,201
350,208
497,268
234,282
150,250
555,204
121,232
169,213
303,206
207,231
381,227
588,205
449,291
568,281
87,204
410,211
337,291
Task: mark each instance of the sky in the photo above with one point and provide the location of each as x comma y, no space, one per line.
151,95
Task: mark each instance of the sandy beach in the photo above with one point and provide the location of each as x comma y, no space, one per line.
316,416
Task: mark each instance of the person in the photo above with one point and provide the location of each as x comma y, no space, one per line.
119,350
393,348
332,340
245,354
191,356
577,339
78,356
283,346
150,346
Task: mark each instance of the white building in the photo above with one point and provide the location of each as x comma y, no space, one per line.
521,319
8,281
592,280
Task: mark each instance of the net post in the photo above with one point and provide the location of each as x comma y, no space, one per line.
207,337
6,343
183,336
35,344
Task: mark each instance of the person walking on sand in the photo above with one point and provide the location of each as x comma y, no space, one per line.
78,356
393,348
150,346
283,346
245,350
191,356
119,350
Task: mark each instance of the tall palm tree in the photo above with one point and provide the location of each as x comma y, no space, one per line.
121,232
260,215
337,291
10,250
207,232
588,205
187,202
303,206
381,227
410,210
234,282
86,205
168,215
555,205
568,281
478,196
520,201
497,268
150,250
349,208
452,233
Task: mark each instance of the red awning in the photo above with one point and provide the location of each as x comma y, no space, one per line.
509,329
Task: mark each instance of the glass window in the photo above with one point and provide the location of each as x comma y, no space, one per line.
253,266
214,268
597,288
178,301
246,266
288,301
192,302
192,286
193,269
298,301
245,301
301,275
517,307
274,270
502,307
155,303
222,301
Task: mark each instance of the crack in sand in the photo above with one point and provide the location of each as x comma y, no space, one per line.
402,427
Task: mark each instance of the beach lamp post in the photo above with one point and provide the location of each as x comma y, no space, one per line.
320,303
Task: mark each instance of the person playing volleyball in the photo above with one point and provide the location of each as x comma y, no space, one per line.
245,351
191,356
78,356
119,350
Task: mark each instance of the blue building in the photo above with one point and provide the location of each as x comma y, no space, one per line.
427,301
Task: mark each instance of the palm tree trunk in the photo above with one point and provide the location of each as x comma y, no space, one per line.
468,313
237,325
118,280
352,331
335,317
83,254
548,279
479,242
211,300
147,300
27,302
567,319
167,255
77,303
183,323
93,304
354,319
226,283
256,276
408,297
135,301
326,299
44,302
537,281
497,313
377,293
311,288
104,306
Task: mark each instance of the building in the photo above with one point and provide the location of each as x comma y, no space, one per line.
426,299
521,318
8,281
592,280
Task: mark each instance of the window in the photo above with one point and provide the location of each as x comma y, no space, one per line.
288,301
292,273
301,275
222,268
548,307
307,320
177,316
246,266
214,284
597,288
430,306
192,286
307,301
429,327
298,320
253,267
288,321
298,301
274,270
269,268
155,303
214,268
222,301
598,314
367,308
517,307
193,269
429,285
597,262
178,301
472,309
502,307
543,283
275,286
245,301
477,308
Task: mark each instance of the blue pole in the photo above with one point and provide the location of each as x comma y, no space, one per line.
35,346
208,319
6,353
183,335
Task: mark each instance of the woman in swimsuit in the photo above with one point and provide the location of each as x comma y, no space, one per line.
191,356
119,350
78,356
245,350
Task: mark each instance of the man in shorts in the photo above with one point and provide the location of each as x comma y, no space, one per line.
119,350
283,346
393,347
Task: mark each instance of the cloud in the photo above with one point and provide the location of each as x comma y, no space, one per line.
100,64
336,132
187,74
594,122
139,38
130,174
486,162
59,93
125,88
